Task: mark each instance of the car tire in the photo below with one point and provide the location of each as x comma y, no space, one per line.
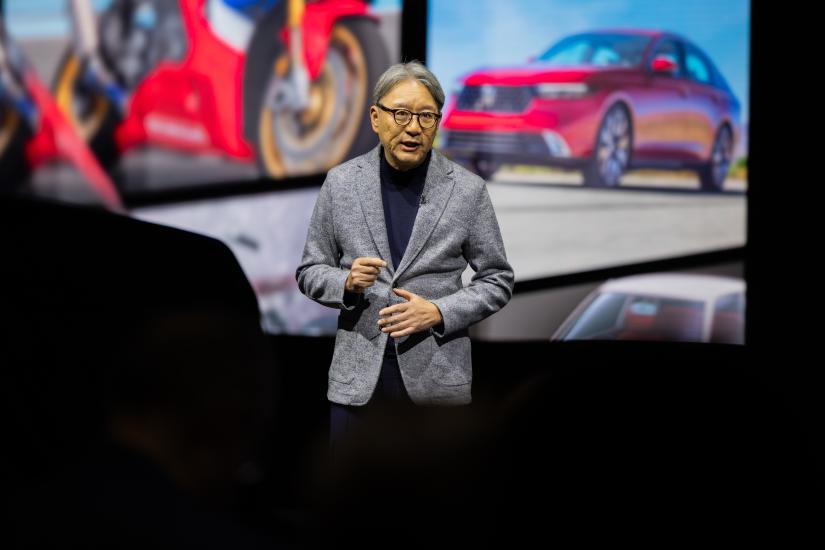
485,168
713,174
464,162
611,150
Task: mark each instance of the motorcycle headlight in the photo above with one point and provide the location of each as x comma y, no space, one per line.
562,90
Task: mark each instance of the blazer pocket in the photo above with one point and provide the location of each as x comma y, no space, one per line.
342,369
448,374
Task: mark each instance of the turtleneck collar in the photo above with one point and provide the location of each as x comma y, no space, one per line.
403,177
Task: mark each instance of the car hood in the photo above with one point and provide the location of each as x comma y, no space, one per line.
536,73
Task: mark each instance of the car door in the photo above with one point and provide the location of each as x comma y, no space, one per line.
704,103
660,113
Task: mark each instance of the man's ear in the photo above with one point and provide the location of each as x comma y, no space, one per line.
374,118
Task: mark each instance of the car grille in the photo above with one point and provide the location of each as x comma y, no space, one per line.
494,99
496,142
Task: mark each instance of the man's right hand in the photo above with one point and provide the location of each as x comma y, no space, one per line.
363,273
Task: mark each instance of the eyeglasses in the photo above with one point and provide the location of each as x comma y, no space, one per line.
403,117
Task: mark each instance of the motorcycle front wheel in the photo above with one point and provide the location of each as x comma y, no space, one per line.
335,125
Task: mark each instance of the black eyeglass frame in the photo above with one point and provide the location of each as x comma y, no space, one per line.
395,116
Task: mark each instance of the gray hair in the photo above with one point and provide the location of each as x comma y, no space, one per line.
412,70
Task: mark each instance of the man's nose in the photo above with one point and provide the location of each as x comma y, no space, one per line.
413,127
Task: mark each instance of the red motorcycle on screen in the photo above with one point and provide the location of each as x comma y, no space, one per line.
33,130
285,84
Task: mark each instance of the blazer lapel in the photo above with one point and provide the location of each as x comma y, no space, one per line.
438,186
369,193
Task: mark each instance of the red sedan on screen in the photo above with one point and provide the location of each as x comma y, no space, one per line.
601,102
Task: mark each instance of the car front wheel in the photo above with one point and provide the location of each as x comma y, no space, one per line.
611,154
486,168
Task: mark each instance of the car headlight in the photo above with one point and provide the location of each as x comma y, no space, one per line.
562,90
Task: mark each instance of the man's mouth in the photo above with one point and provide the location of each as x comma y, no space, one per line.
410,145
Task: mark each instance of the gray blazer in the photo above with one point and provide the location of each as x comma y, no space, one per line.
456,224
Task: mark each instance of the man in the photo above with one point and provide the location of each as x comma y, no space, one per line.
391,233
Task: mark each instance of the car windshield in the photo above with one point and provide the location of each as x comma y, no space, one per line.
600,50
621,316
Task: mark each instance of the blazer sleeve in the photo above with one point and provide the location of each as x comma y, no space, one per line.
492,284
319,276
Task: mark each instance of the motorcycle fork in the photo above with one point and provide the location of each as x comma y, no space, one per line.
86,43
12,89
292,93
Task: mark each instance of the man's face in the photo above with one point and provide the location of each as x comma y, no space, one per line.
407,146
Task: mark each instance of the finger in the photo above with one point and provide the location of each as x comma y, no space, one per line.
406,294
366,276
377,262
366,269
389,310
393,309
404,291
401,317
389,327
400,325
404,332
394,319
364,283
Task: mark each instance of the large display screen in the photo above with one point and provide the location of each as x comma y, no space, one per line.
607,133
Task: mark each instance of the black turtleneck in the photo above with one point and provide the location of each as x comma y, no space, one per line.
400,193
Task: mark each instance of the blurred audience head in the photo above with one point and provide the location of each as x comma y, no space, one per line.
190,389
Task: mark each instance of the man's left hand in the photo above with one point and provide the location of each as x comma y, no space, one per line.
414,315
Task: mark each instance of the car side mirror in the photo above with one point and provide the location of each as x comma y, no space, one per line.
663,64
